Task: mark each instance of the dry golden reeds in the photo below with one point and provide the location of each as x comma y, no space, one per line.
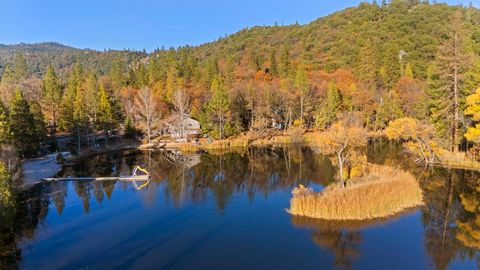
385,191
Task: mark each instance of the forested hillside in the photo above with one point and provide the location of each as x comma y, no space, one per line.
62,58
377,61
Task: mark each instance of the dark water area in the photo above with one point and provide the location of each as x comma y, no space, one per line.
227,211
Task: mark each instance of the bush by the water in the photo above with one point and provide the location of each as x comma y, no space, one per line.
385,191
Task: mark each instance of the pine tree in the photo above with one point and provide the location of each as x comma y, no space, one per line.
52,95
80,113
154,70
5,135
39,119
368,64
8,75
230,72
170,85
129,130
117,73
330,107
452,61
219,104
105,112
391,67
141,76
273,63
389,109
20,66
284,63
472,78
301,83
22,124
66,118
256,60
408,71
90,97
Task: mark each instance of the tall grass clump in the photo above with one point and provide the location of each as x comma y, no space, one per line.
383,192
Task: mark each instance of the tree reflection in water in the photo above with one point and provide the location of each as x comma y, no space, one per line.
20,221
451,215
342,238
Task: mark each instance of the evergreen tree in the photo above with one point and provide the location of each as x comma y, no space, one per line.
219,104
105,112
368,64
330,107
256,60
22,124
80,113
39,120
408,71
170,85
5,135
141,76
230,72
8,75
273,63
452,61
52,95
389,109
67,119
154,70
117,73
301,83
20,66
129,130
284,63
90,97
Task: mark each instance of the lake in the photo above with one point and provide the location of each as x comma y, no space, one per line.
227,211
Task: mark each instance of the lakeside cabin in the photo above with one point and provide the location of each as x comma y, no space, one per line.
172,126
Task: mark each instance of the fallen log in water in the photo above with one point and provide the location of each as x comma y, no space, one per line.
125,178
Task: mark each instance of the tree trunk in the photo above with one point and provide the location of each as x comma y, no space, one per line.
220,127
455,95
78,139
183,124
148,130
54,129
340,168
301,109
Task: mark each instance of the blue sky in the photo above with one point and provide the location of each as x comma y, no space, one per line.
147,24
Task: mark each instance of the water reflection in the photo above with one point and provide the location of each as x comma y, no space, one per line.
20,222
450,219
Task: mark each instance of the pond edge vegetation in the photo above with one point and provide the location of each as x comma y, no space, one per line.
383,192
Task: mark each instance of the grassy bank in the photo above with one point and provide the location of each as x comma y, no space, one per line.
385,191
458,160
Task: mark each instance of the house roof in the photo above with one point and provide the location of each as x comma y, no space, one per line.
173,118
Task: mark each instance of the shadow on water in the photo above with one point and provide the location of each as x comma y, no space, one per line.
450,217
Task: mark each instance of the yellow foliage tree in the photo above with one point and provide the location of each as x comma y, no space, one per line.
342,140
473,109
411,130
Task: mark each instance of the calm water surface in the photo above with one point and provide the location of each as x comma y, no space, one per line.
227,211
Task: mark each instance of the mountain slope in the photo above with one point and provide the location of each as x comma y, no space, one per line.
366,39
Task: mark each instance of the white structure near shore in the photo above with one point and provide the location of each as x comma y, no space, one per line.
172,126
